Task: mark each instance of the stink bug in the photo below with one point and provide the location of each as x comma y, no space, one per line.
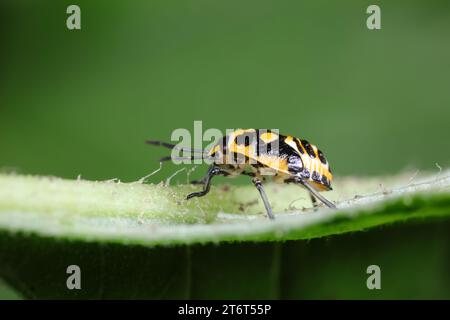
263,154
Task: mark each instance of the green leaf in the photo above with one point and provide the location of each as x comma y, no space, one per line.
133,240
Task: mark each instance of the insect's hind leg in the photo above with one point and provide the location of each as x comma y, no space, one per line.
263,195
316,194
213,170
314,201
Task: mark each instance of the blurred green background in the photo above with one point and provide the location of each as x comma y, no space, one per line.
84,101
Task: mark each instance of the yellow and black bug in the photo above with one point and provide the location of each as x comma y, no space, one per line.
264,154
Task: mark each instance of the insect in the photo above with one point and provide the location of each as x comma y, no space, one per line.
264,155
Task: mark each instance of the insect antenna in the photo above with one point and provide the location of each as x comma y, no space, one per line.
168,158
173,147
195,153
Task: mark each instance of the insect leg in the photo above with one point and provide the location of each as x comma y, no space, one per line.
202,181
206,184
314,201
259,186
316,194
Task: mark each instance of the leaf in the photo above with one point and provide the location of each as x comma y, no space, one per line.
145,241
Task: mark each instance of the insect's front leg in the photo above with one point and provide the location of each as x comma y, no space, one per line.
213,170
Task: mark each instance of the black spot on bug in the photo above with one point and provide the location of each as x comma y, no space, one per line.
316,176
299,146
308,148
236,157
325,181
281,149
322,157
225,140
305,174
258,142
271,148
295,164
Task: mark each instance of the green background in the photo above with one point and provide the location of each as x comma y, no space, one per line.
84,101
